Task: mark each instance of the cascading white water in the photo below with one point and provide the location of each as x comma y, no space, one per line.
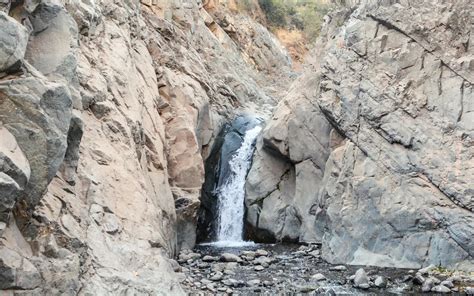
231,193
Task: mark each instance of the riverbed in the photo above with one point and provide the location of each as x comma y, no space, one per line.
269,269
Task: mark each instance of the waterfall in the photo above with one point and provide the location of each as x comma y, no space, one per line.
231,193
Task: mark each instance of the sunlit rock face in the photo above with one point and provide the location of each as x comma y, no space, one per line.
108,110
371,152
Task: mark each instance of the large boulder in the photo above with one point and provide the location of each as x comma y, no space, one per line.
37,113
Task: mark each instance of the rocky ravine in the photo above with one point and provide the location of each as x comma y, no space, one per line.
107,110
371,153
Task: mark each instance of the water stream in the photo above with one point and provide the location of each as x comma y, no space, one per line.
231,193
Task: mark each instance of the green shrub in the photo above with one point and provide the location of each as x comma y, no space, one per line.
304,15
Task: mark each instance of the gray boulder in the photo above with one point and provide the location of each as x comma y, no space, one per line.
13,41
361,280
228,257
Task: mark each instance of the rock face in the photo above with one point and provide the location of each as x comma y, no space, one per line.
371,152
107,113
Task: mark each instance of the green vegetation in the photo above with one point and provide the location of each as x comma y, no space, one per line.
303,15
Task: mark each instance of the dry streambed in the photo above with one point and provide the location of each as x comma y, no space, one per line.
270,269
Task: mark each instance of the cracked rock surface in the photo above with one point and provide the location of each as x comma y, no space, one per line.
371,152
108,110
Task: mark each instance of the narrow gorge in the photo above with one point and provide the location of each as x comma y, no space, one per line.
172,147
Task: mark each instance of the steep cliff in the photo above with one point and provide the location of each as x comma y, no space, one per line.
371,152
107,111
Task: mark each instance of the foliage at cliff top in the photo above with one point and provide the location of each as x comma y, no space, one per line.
303,15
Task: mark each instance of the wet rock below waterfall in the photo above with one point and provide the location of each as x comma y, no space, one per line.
270,269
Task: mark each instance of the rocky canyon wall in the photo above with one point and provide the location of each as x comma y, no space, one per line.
371,153
107,111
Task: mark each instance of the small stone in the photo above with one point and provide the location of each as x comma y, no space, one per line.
441,289
427,285
222,289
248,253
436,281
267,283
315,253
454,278
216,277
229,272
205,282
253,283
427,269
361,279
258,268
338,268
469,290
231,283
318,277
303,248
363,286
418,279
264,261
306,288
228,257
208,258
261,252
447,283
299,253
203,265
380,282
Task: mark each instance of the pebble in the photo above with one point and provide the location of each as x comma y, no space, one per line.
454,278
203,265
258,268
361,280
318,277
338,268
469,290
253,283
230,282
267,283
306,289
229,272
427,285
418,279
447,283
315,253
265,261
249,253
228,257
216,277
380,282
248,257
261,252
427,269
441,289
205,282
208,258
